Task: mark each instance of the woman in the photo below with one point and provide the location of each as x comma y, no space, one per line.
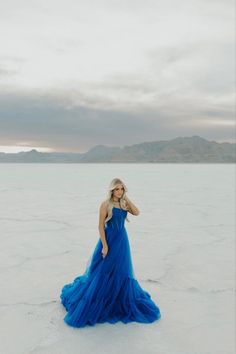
108,291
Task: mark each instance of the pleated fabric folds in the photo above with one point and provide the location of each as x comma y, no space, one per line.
108,290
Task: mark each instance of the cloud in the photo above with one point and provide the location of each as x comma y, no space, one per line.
117,73
43,121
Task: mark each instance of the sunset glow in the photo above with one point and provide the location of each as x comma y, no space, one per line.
15,149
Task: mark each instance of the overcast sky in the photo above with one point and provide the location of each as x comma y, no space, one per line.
74,74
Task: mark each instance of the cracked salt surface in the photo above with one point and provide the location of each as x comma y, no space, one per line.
182,246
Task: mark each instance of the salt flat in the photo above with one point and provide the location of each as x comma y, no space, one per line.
182,246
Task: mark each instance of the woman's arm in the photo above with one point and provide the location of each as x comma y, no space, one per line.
102,217
131,207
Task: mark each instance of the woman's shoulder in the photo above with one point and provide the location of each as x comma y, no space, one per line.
104,204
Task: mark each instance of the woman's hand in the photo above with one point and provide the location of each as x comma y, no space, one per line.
131,207
104,250
126,198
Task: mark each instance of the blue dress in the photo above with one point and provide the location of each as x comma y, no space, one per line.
108,291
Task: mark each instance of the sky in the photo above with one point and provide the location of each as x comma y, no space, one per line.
75,74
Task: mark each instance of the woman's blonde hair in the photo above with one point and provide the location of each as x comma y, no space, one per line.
109,202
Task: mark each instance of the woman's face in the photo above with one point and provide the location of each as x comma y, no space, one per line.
118,191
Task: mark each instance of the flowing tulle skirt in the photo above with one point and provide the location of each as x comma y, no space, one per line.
108,291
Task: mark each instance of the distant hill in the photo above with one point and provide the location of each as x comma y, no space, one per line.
179,150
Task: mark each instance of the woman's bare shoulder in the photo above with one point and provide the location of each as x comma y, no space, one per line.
103,205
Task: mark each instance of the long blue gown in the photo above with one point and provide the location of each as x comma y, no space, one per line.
108,291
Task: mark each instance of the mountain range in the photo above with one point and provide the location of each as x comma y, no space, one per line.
192,149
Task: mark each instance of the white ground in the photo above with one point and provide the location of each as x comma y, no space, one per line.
182,244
